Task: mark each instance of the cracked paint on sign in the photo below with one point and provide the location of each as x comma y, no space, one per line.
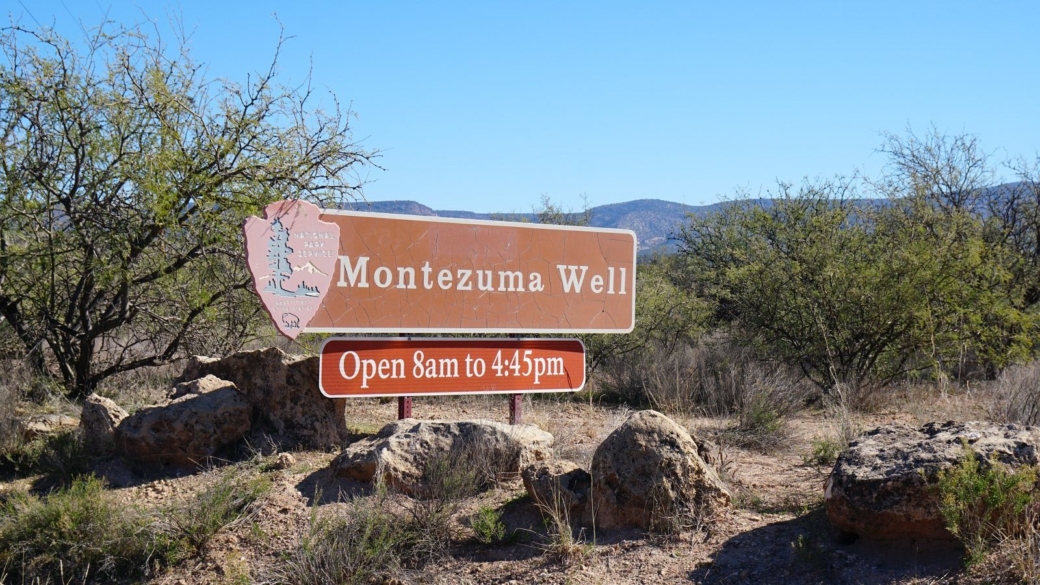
403,274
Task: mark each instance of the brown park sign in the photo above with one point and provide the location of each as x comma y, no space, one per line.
326,271
415,367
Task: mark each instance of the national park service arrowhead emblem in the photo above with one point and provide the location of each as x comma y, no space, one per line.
292,255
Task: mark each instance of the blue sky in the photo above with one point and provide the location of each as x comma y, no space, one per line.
488,106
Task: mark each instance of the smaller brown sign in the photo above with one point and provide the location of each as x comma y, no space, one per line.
416,367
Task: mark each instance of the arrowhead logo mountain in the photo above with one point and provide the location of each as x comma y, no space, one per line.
292,256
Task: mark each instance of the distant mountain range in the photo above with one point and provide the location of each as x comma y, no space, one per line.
654,221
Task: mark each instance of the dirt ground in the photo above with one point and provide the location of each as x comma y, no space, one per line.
776,531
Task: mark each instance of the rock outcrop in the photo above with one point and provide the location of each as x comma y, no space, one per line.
283,393
203,416
883,485
39,425
647,474
560,486
403,449
98,422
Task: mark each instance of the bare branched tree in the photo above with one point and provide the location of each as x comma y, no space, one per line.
125,176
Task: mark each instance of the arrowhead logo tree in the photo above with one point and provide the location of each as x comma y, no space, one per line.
292,256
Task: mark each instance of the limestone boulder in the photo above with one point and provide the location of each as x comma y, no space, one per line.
39,425
98,422
647,474
403,449
883,485
282,391
558,485
206,414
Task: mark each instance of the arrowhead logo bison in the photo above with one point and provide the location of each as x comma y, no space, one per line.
292,255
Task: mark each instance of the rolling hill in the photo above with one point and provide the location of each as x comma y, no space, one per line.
654,221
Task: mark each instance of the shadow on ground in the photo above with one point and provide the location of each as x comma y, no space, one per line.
807,550
323,487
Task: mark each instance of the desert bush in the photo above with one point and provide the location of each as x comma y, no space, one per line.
715,378
839,410
234,496
78,533
357,547
1014,395
447,480
982,501
937,271
487,525
822,451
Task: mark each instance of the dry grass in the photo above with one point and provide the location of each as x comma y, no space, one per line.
716,378
563,542
1016,395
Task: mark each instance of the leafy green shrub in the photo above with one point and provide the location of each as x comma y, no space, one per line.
232,497
823,451
79,532
983,501
487,525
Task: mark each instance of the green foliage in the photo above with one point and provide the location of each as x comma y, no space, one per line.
982,501
234,496
854,293
61,456
823,451
667,316
126,178
759,418
487,525
79,532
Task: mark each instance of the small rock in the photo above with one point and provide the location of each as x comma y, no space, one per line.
284,461
559,485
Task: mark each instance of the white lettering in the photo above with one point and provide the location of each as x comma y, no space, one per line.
535,282
403,271
426,270
572,280
481,276
383,276
357,365
464,279
596,284
358,274
516,281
